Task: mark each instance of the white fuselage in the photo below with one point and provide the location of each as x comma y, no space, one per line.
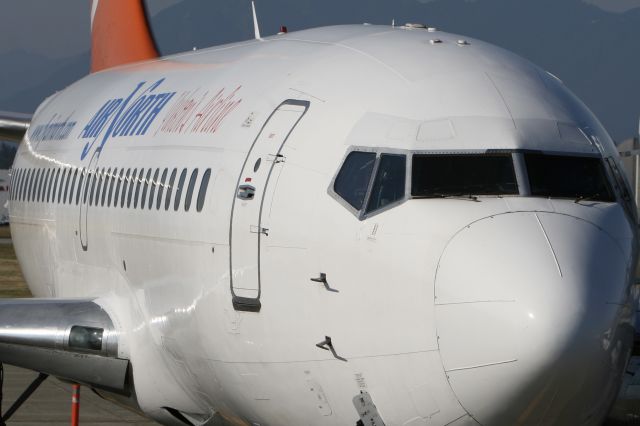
505,310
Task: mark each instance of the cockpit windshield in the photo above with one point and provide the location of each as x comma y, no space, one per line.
561,176
435,176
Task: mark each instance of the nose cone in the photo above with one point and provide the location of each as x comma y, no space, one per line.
531,318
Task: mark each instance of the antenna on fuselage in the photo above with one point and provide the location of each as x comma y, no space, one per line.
256,27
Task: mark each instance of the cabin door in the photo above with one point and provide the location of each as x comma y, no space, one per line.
247,231
89,177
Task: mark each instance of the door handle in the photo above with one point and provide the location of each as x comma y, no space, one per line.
328,346
246,192
323,279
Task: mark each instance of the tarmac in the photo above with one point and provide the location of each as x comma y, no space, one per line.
50,404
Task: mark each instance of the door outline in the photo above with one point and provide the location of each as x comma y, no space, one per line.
251,304
91,170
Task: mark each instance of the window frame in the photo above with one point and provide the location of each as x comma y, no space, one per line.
517,157
517,160
361,213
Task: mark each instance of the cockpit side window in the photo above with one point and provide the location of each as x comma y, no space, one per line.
563,176
436,175
353,179
389,184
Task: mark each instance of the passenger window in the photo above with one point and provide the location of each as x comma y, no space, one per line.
354,176
15,183
55,186
167,201
95,182
152,189
113,180
389,183
95,196
183,176
145,188
125,184
36,185
50,177
119,182
192,184
27,186
40,184
83,178
34,189
89,179
132,184
20,184
46,185
106,179
161,188
72,187
138,184
23,182
63,181
203,190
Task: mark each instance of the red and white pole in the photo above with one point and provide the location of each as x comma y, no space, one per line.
75,404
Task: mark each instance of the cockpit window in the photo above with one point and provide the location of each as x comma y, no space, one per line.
353,179
568,177
435,176
389,183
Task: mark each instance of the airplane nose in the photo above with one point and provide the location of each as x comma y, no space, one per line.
531,318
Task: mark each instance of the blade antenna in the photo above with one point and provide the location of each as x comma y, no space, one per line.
256,27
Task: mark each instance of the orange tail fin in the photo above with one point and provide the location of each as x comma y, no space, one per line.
119,34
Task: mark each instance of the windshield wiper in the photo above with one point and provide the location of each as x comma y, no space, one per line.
465,197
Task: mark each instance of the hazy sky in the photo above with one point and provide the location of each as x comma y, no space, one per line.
54,28
58,28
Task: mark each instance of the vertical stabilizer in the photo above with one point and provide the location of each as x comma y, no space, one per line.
120,34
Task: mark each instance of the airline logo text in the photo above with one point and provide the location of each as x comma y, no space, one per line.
130,116
54,130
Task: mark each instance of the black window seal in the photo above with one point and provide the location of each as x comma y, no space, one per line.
145,189
167,201
152,188
180,189
132,183
190,188
202,192
165,172
139,182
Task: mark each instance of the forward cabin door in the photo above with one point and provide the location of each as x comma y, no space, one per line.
89,177
247,231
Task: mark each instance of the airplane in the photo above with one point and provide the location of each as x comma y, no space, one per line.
347,225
